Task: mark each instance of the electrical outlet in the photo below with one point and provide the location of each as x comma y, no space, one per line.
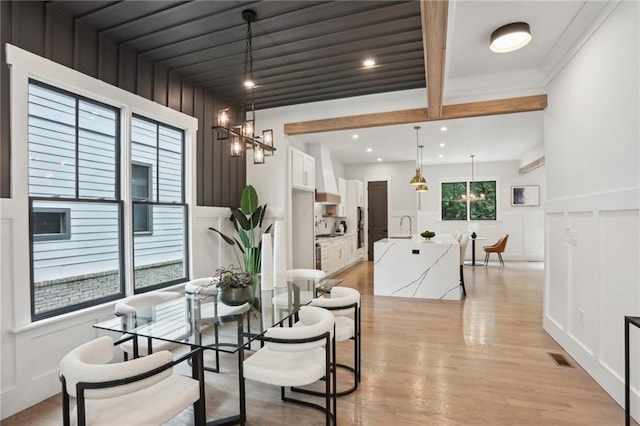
572,237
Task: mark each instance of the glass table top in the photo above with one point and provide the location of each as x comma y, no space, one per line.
203,321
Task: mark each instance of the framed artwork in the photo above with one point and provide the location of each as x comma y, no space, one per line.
525,195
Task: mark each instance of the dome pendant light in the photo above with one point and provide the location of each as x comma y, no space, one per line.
417,179
510,37
423,186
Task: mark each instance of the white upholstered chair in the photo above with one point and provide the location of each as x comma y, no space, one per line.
138,305
282,299
297,356
143,391
204,292
344,304
463,252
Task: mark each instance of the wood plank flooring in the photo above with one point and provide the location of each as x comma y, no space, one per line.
481,361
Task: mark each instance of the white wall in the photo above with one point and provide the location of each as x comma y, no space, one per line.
593,202
525,225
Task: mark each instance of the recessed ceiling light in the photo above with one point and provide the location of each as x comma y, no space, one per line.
368,63
442,145
379,160
441,155
510,37
356,136
443,129
369,150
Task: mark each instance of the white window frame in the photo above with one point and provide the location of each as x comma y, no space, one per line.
25,66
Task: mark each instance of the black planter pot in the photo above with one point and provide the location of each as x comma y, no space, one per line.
235,296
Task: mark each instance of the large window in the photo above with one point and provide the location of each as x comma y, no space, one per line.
159,209
458,204
77,217
74,200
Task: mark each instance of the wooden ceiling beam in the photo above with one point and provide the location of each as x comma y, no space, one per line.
471,109
434,15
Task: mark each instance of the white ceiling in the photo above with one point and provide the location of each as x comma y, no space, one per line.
474,72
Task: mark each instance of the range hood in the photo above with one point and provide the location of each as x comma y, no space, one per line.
326,184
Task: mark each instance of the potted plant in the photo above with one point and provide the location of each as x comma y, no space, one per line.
247,222
234,284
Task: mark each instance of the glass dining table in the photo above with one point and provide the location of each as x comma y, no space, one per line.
196,322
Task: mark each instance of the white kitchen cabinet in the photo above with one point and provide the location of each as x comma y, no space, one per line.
342,190
359,193
302,170
338,253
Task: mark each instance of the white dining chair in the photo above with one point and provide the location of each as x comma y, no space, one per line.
344,304
141,304
204,292
297,356
142,391
304,296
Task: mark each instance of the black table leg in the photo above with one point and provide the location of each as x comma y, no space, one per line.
627,393
197,372
473,252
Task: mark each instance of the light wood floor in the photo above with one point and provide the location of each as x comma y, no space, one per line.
481,361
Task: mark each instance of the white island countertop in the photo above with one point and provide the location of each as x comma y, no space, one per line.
417,267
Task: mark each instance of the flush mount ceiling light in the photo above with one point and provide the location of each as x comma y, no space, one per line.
243,136
510,37
368,63
417,179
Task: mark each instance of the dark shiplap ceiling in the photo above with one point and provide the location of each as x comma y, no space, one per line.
304,51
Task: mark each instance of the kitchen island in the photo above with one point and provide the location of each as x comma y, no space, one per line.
417,267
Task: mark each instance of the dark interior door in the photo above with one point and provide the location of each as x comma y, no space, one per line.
377,228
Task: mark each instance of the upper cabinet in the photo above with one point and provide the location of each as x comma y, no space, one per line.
342,191
302,170
359,193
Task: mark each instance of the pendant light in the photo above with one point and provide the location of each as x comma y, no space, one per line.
472,196
423,186
243,136
417,179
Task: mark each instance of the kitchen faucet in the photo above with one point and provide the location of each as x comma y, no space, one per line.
410,227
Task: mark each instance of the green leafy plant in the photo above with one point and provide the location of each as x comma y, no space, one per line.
232,277
247,222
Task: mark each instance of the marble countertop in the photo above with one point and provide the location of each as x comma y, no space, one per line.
417,239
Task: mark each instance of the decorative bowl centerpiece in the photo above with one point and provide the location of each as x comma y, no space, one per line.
428,234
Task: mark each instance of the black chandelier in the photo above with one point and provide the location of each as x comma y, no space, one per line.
243,136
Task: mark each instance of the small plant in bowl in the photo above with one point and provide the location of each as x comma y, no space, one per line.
428,234
234,284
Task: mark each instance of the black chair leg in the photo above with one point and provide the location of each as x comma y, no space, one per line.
464,290
500,257
486,259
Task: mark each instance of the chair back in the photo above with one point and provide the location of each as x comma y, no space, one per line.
314,322
88,363
501,245
205,286
139,302
306,273
458,236
341,297
463,248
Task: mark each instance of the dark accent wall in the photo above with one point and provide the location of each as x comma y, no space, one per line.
44,30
